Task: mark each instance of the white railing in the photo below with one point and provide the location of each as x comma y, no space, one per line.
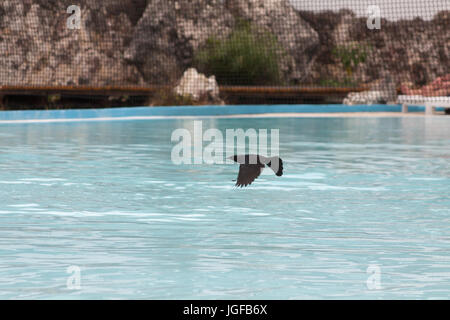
430,103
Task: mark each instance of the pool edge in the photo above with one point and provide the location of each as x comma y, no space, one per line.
143,112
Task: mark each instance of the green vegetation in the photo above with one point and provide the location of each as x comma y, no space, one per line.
351,55
247,57
166,97
338,83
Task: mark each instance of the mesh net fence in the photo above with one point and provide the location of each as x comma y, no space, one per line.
229,51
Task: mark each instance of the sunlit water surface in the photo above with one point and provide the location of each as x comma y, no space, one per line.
362,211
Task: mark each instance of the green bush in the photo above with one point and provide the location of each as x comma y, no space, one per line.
337,83
351,55
246,57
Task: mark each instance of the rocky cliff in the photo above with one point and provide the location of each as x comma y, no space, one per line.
142,42
37,48
414,51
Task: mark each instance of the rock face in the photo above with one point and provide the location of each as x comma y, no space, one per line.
198,87
416,51
169,32
296,36
144,42
38,49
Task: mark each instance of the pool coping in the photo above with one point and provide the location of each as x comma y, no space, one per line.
137,113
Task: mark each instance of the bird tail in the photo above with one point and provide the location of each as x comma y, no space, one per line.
276,164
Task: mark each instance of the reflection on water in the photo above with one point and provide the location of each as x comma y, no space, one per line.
105,196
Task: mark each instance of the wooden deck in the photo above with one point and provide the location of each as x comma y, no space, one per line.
139,95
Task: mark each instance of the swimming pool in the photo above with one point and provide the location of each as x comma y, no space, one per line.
362,212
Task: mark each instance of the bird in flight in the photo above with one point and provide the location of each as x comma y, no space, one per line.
251,166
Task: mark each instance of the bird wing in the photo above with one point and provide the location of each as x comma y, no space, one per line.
247,174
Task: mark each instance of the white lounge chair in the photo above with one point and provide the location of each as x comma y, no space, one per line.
430,103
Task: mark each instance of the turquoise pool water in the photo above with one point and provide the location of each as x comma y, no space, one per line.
363,211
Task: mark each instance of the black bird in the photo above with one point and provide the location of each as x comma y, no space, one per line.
251,166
